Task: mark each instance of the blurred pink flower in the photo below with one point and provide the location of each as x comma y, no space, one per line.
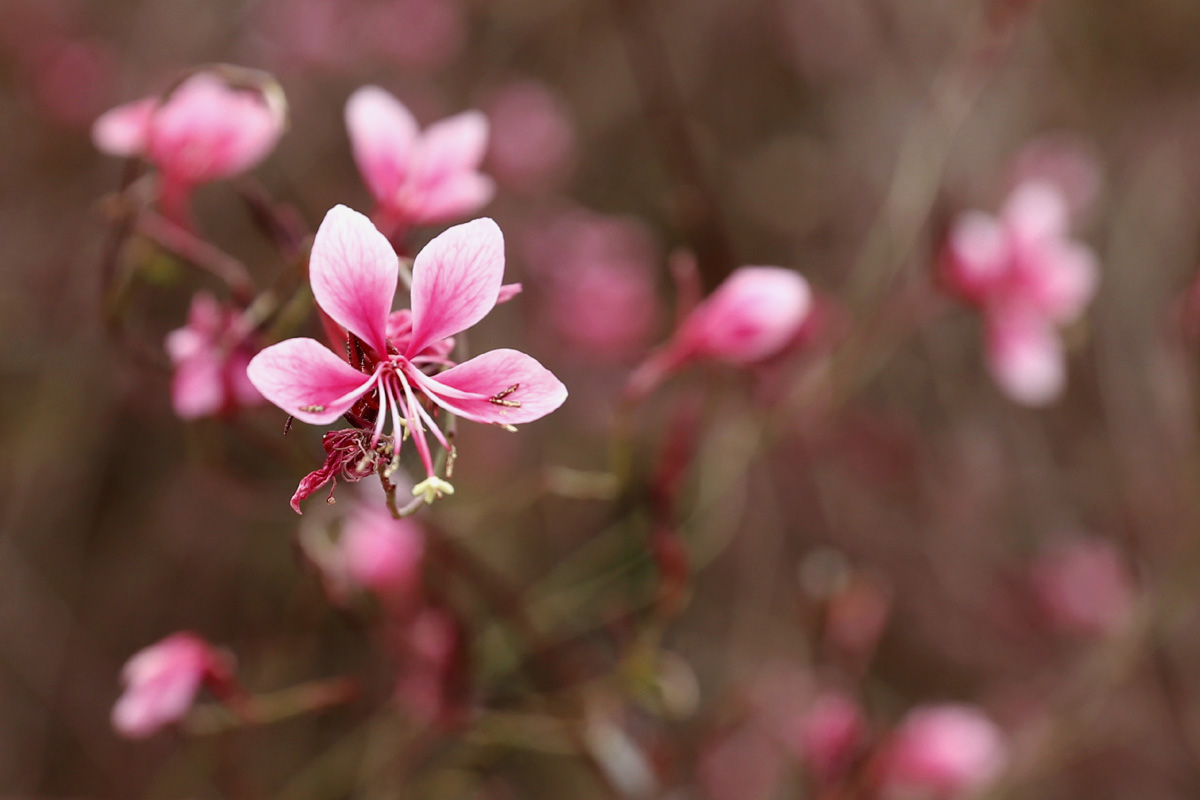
1027,276
942,751
202,131
751,317
417,178
532,141
433,681
828,735
1064,162
72,78
162,680
434,31
382,554
597,273
210,354
1083,586
456,282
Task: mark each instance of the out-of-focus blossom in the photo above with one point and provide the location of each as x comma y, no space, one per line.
751,317
598,276
744,763
1083,586
210,354
532,141
828,735
382,554
432,681
1027,277
434,31
203,131
417,177
72,78
455,283
942,751
162,680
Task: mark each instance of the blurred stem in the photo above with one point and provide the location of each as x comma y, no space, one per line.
695,200
248,709
187,246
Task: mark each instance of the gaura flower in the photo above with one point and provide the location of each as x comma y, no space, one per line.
455,283
753,315
161,682
210,354
203,131
416,177
1027,277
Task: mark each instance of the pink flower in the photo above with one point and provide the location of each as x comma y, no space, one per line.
203,131
751,317
1083,586
943,751
828,735
382,554
417,178
210,355
1027,277
455,283
162,680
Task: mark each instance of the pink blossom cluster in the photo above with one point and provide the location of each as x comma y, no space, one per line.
1027,277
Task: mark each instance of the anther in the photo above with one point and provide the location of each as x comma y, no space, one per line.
499,400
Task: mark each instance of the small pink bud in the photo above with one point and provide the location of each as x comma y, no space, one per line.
162,680
1083,587
1025,357
942,751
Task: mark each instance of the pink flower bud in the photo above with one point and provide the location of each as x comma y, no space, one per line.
161,682
210,354
942,751
1083,587
203,131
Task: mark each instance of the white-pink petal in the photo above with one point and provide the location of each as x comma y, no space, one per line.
456,280
353,271
123,130
383,135
751,316
1026,358
451,146
305,379
454,197
523,390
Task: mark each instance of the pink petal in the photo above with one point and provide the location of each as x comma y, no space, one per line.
353,271
453,198
1065,280
456,280
508,291
123,130
466,389
452,146
977,256
1036,210
305,379
1026,358
382,135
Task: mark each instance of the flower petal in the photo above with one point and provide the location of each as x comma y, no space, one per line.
1026,358
452,146
123,130
454,198
382,135
456,280
305,379
353,271
468,388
